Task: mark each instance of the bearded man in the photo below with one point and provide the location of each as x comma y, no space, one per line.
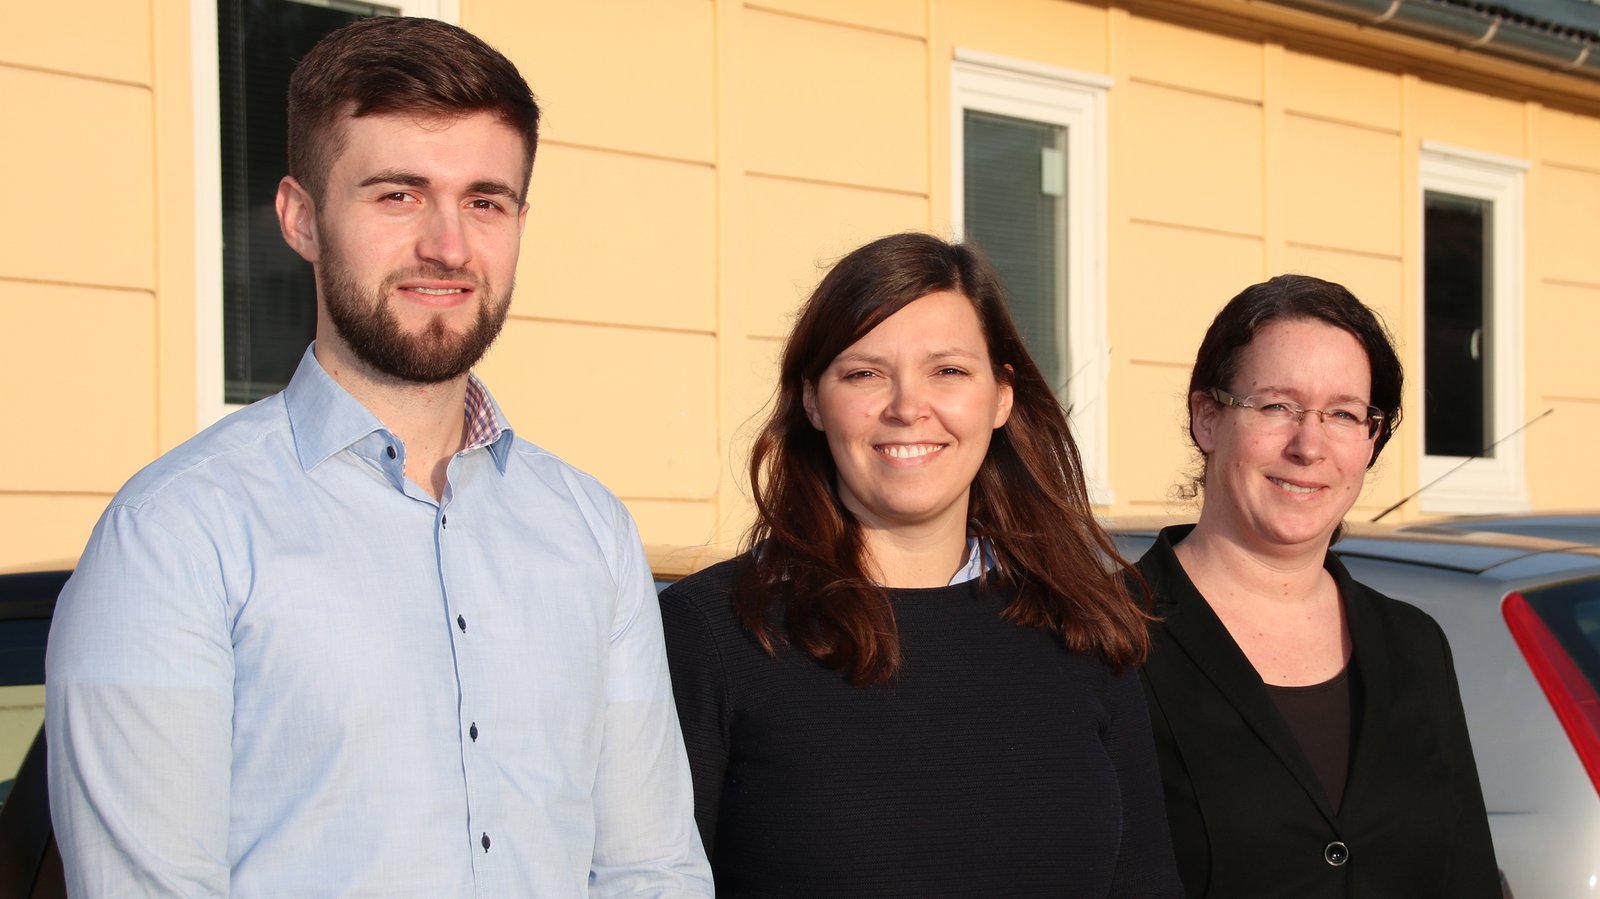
360,638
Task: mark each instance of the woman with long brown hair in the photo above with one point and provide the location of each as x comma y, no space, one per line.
919,679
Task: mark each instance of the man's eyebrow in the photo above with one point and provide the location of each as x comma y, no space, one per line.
495,189
400,178
395,176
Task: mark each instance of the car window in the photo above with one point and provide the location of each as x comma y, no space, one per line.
21,713
26,601
1133,544
1572,613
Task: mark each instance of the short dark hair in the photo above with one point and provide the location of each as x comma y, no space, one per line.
1299,298
385,64
1029,503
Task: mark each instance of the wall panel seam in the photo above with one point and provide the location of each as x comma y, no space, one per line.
825,182
837,23
77,76
1335,120
1197,229
707,164
1193,91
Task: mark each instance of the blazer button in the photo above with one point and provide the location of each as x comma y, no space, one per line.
1336,853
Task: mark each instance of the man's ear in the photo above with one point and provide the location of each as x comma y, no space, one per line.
297,219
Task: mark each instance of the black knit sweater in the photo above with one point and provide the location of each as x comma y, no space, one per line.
996,762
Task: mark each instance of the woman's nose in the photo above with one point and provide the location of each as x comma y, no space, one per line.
1308,438
908,401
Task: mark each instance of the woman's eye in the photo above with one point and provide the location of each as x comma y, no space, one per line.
1276,409
951,370
1346,415
857,375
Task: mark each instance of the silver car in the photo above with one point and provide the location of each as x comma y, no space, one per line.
1574,527
1523,618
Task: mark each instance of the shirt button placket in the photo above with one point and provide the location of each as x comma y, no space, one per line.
472,729
461,652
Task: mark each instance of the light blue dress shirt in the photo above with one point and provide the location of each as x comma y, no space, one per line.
283,670
979,559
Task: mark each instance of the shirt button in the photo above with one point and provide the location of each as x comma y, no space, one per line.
485,842
444,521
390,451
461,622
473,732
1335,853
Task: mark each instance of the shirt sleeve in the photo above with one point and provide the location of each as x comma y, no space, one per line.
139,707
699,683
645,839
1145,866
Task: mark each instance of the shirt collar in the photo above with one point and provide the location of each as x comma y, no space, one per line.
483,419
980,558
326,419
486,424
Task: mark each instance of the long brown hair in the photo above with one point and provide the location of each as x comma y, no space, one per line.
1029,505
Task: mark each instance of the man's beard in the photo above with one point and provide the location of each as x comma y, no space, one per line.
369,327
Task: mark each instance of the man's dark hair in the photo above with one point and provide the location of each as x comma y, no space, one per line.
385,64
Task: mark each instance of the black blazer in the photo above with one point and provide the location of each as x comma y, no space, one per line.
1249,817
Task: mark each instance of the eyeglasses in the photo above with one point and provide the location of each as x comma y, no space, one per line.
1348,421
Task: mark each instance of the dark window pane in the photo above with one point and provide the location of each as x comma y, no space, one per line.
1019,221
1457,312
268,296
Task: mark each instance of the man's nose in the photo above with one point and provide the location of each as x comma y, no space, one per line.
444,240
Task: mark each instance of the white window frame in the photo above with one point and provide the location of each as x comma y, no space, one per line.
1076,101
209,387
1497,484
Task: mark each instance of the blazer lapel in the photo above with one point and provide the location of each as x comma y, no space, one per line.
1195,628
1371,652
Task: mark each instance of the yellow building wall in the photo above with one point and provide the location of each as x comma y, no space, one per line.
1564,304
1310,164
93,266
705,160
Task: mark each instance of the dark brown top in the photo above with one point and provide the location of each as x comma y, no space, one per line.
1320,716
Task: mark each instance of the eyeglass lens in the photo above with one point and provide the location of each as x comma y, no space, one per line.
1349,421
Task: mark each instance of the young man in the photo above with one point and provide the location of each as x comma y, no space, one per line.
359,638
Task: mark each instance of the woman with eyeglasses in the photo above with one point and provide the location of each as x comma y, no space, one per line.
922,678
1309,729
